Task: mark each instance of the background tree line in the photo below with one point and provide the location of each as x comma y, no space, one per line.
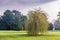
12,20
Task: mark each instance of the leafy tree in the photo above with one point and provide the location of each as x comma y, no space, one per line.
8,18
2,24
36,22
17,18
12,20
23,19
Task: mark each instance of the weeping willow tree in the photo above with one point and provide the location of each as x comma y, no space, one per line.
36,22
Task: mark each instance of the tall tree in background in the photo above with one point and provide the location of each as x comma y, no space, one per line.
36,22
17,18
50,26
2,24
23,19
8,18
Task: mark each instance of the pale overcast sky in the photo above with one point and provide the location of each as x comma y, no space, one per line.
51,7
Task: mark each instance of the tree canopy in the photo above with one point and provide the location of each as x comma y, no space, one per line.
36,22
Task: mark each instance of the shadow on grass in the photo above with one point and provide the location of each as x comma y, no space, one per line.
24,35
15,36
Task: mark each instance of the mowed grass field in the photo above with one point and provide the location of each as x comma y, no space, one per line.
22,35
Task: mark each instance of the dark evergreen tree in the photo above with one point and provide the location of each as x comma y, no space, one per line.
50,26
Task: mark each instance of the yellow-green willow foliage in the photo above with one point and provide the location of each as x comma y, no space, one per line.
36,22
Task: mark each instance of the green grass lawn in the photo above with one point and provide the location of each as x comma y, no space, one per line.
22,35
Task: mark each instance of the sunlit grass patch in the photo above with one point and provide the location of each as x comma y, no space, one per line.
22,35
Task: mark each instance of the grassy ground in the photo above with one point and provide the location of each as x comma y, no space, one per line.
22,35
